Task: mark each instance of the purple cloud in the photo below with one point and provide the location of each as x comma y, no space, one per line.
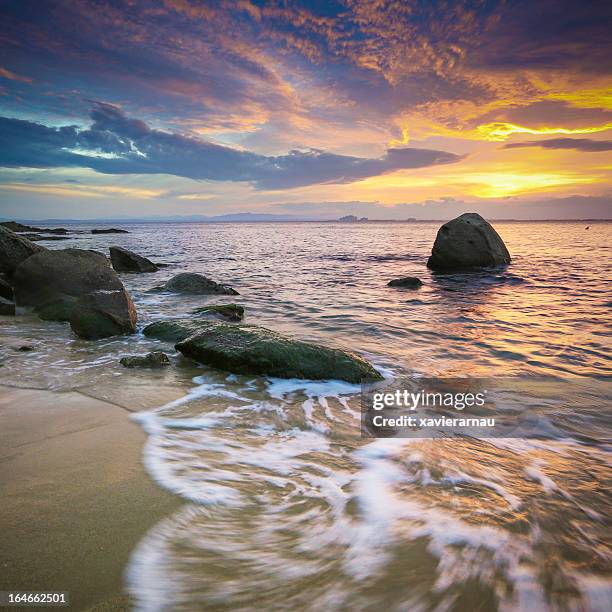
117,144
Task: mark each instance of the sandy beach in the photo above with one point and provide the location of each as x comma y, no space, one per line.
75,498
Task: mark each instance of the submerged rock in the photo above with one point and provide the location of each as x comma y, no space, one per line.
7,308
408,282
14,250
102,314
110,230
229,312
256,350
127,261
155,359
467,242
190,282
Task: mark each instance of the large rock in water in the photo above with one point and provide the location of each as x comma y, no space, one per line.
76,285
102,314
126,261
14,249
190,282
254,350
467,242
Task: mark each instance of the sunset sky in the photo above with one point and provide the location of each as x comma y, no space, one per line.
317,109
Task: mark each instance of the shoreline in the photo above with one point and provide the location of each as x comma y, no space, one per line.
76,497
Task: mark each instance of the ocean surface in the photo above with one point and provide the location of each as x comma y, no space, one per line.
286,505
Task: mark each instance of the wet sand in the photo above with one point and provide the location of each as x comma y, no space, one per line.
75,497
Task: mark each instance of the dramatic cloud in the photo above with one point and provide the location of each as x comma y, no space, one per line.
222,89
587,145
117,144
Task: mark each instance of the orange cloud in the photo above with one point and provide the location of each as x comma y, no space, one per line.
7,74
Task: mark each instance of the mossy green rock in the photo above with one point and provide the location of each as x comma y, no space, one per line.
230,312
255,350
175,330
155,359
103,314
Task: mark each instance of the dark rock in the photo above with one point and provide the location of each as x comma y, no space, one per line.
52,276
102,314
15,249
229,312
59,310
408,282
467,242
7,308
254,350
6,291
38,237
155,359
174,330
190,282
76,285
126,261
25,348
112,230
19,227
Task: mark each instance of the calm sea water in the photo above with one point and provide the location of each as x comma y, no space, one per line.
285,505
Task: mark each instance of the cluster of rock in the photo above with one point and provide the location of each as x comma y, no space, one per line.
83,287
20,227
72,285
36,234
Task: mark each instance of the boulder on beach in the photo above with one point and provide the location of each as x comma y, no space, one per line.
467,242
244,349
127,261
407,282
79,286
110,230
198,284
229,312
101,314
155,359
7,308
65,274
15,249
